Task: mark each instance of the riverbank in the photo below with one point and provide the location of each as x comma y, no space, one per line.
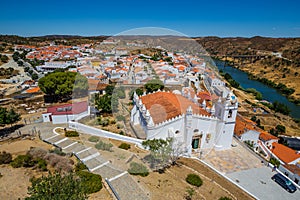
268,93
284,79
249,106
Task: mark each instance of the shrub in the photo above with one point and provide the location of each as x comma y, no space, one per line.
5,158
138,169
120,118
57,151
23,161
274,161
42,164
71,134
60,163
92,182
121,133
80,166
93,139
57,186
103,146
37,152
124,146
194,179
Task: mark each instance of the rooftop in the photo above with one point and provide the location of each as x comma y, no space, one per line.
68,109
284,153
163,106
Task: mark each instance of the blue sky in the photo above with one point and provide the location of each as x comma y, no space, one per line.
193,18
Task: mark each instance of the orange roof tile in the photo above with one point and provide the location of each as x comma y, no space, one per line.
33,90
163,106
242,125
265,136
204,95
284,153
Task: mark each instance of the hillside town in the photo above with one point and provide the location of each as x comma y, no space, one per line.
137,92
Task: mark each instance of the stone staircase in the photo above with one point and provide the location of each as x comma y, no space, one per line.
121,183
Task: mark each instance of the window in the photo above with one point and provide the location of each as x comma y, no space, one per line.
177,132
230,114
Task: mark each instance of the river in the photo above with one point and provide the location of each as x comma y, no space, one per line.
270,94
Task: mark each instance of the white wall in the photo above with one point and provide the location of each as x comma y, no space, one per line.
46,117
251,136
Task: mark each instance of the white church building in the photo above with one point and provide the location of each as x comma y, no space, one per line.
166,114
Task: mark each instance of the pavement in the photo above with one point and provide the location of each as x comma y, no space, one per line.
258,182
247,170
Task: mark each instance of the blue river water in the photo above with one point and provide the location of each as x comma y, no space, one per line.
270,94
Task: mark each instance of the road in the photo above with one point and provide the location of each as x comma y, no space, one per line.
258,182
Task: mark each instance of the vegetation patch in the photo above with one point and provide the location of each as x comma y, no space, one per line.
71,134
138,169
104,146
124,146
93,139
57,186
5,158
92,182
194,179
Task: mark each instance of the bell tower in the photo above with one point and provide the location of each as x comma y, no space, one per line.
226,111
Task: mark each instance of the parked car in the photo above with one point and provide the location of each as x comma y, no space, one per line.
284,182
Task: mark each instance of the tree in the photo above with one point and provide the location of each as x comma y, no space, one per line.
62,85
34,76
4,58
8,117
103,103
163,153
57,186
154,85
109,89
280,129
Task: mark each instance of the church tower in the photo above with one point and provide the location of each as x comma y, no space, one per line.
226,111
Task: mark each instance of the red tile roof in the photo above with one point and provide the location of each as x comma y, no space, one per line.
265,136
68,109
33,90
284,153
242,125
163,106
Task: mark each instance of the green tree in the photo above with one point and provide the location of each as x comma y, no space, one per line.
280,129
109,89
154,85
34,76
103,103
9,117
163,153
4,58
57,186
62,85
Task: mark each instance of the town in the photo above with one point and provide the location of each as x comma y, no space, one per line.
131,90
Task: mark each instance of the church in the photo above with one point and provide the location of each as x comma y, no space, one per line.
197,126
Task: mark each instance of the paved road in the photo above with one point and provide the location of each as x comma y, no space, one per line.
258,181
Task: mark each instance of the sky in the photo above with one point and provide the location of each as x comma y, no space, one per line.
223,18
